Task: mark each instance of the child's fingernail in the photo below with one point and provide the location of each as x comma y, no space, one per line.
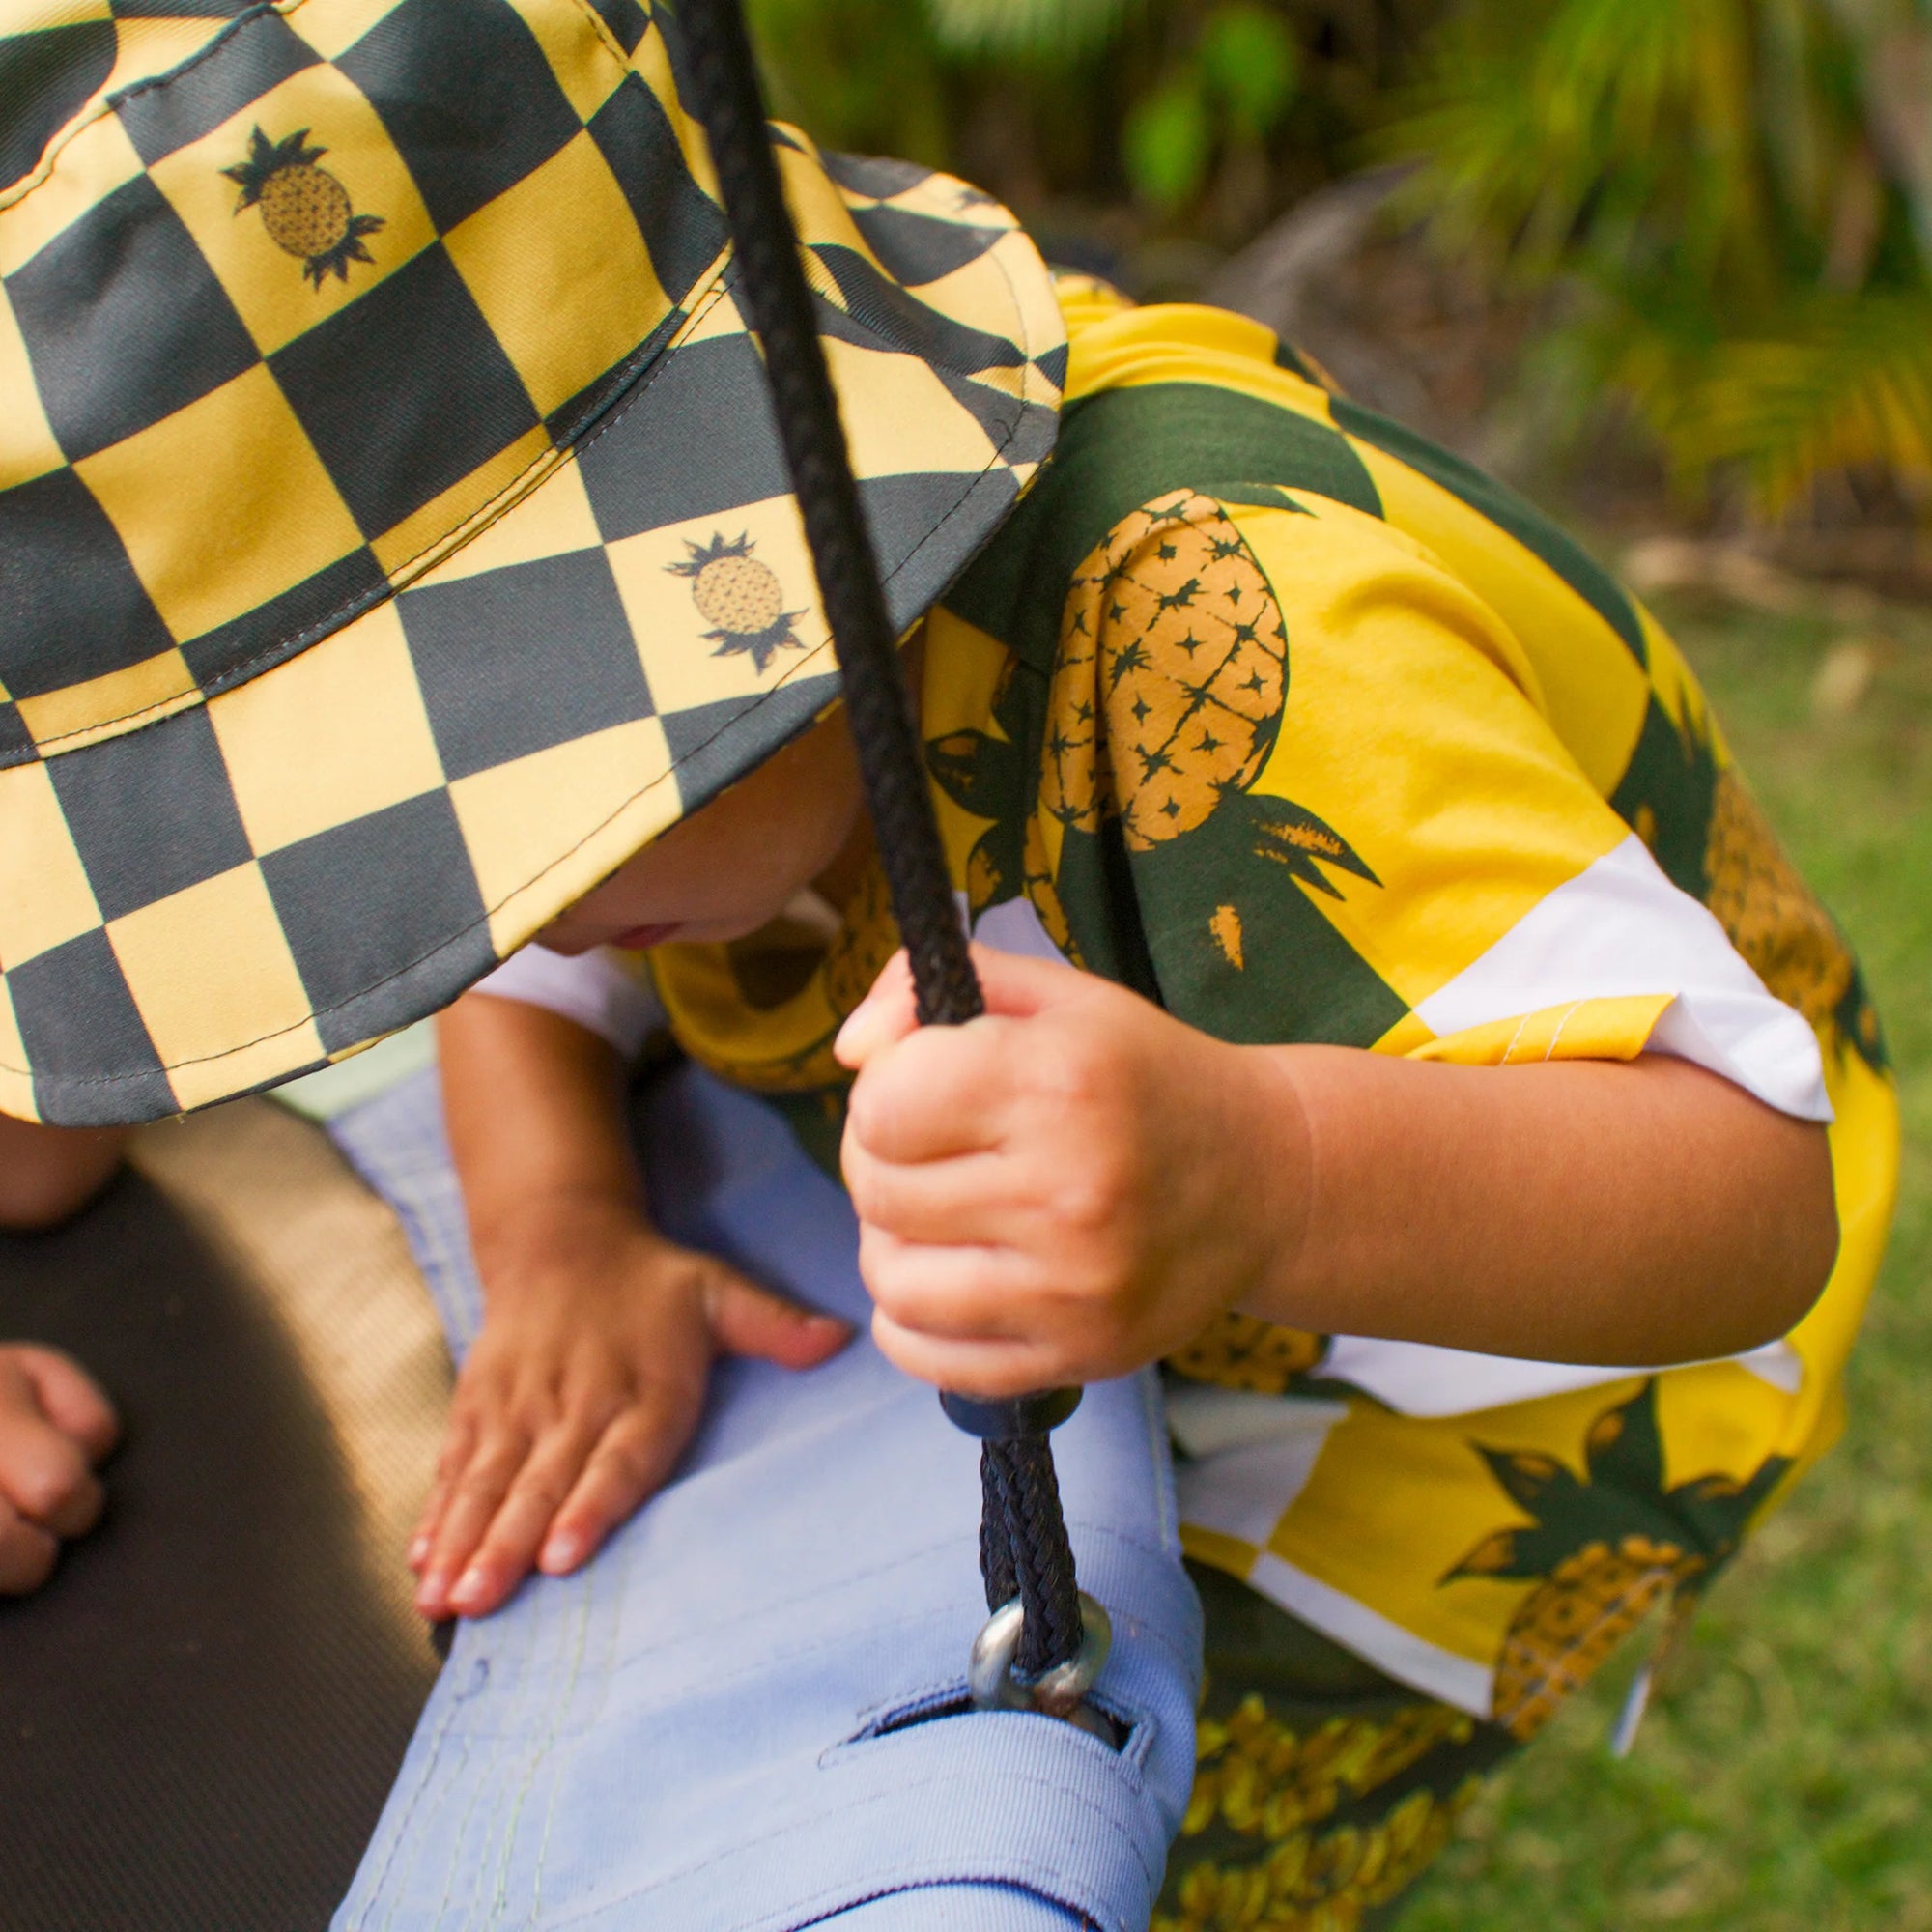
563,1551
418,1549
469,1586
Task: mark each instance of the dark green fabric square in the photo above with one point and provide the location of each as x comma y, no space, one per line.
404,391
94,1064
682,226
124,320
44,78
466,96
150,812
396,885
515,661
70,605
173,109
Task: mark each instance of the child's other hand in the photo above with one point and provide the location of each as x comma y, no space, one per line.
55,1425
581,1393
1063,1190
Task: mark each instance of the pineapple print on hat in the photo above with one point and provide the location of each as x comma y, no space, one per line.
741,597
1601,1551
305,209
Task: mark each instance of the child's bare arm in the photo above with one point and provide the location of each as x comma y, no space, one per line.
1077,1185
588,1377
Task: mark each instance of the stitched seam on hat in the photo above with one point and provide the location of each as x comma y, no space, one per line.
452,540
83,1082
42,172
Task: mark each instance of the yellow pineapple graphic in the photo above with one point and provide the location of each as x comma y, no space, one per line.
1171,626
1601,1551
305,209
1696,814
1768,910
1237,1352
1167,699
741,597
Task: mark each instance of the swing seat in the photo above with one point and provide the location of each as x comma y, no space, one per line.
205,1709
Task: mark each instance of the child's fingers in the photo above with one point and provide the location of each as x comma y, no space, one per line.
509,1545
946,1090
974,1197
27,1553
746,1319
979,1367
885,1014
637,1453
43,1473
71,1399
957,1293
457,1448
475,1497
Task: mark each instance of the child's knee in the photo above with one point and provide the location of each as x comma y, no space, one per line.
49,1174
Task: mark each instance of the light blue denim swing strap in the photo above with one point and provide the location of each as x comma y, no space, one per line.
713,1727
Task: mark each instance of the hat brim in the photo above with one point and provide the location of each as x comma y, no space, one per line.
263,883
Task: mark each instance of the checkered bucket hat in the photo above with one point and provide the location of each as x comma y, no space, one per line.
394,530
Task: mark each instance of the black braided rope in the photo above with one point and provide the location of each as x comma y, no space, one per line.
1023,1544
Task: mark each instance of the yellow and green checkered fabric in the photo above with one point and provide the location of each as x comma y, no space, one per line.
393,528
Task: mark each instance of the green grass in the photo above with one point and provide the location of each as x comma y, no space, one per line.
1784,1782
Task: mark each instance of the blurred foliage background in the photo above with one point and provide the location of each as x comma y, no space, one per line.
1697,232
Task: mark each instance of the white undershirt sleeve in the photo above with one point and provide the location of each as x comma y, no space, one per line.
601,990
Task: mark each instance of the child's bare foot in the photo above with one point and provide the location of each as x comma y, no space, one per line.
55,1425
581,1393
47,1173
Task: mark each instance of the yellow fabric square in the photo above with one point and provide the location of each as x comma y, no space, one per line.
427,535
85,169
560,272
16,1087
596,800
332,27
680,644
716,316
910,425
62,720
222,505
208,965
333,735
278,294
1593,691
651,61
1460,799
1607,1028
27,446
45,897
150,46
588,64
553,520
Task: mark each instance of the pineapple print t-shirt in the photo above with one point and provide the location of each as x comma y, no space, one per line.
1284,717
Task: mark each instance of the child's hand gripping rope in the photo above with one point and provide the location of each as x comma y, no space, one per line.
1060,1191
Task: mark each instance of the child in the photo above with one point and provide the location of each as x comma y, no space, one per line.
1407,1096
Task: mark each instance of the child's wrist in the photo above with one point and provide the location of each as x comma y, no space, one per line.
528,1238
1275,1112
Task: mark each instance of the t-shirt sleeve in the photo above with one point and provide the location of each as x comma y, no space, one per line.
1296,782
604,990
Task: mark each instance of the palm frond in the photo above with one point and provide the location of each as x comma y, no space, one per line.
1028,29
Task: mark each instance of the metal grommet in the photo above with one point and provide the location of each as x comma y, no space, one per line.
1059,1693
